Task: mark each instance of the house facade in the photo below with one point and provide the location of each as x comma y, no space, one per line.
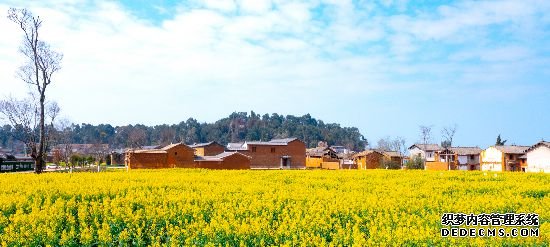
467,158
322,157
175,155
369,159
538,158
431,154
503,158
224,160
288,153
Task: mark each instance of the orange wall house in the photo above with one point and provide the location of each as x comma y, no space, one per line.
208,149
502,158
174,155
226,160
322,157
289,153
368,159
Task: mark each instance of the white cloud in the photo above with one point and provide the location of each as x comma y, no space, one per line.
268,52
222,5
255,6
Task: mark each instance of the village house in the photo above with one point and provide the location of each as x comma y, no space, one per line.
538,158
431,154
288,153
174,155
322,157
393,156
369,159
503,158
224,160
467,158
208,149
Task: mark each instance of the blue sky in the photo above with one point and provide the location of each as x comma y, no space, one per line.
384,66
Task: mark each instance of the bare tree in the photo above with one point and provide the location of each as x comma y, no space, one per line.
24,116
384,144
63,139
41,63
137,138
399,146
448,134
426,135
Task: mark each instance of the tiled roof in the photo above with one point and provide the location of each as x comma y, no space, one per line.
198,145
466,150
512,149
219,157
541,143
392,153
173,145
367,152
318,151
236,146
427,147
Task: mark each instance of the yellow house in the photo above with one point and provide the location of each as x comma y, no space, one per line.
369,159
503,158
322,157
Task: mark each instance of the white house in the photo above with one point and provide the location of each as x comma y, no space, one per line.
425,151
538,157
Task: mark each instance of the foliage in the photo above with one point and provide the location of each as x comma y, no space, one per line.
416,163
389,164
260,208
500,142
235,128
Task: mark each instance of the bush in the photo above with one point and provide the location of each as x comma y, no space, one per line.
388,164
417,163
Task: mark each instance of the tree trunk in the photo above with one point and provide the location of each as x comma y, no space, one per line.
39,162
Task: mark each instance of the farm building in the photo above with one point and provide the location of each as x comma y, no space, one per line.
225,160
430,153
538,157
503,158
208,149
369,159
393,156
289,153
174,155
466,158
322,157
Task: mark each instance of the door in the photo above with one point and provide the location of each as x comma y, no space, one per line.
285,162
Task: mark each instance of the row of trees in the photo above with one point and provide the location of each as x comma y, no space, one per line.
239,126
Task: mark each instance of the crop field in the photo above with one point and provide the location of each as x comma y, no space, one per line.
259,208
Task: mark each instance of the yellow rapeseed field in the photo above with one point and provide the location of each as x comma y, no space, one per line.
261,208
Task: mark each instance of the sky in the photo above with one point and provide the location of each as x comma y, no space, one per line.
383,66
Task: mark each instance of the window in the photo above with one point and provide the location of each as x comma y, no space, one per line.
471,157
176,153
253,149
511,157
273,150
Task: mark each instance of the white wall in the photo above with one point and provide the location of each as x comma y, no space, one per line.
538,160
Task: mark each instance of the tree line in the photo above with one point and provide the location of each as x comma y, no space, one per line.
237,127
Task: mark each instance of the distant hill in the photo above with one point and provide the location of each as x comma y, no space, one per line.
237,127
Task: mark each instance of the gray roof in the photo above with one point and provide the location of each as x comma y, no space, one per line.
198,145
235,146
512,149
541,143
219,157
284,140
392,154
427,147
319,151
466,150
